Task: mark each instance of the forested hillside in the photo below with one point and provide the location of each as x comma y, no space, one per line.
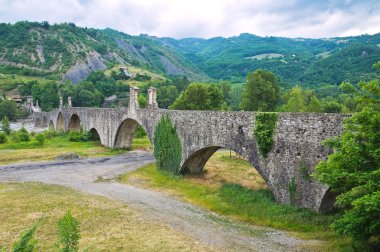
308,62
67,52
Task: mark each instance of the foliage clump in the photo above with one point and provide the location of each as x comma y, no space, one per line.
167,146
26,242
80,136
68,228
5,125
353,169
21,135
3,138
200,96
265,125
40,139
261,91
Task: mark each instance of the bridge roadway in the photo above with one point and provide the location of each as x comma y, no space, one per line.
297,141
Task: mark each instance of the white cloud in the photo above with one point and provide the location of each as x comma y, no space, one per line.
205,18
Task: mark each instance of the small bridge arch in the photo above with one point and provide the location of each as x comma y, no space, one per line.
51,125
60,125
45,121
38,123
94,134
74,123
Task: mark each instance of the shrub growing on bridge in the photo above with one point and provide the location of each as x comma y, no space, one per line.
265,125
167,146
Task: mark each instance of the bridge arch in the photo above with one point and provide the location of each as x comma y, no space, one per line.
74,123
45,121
51,125
94,135
38,123
60,125
196,162
126,132
328,201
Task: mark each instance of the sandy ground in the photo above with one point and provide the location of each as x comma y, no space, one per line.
206,227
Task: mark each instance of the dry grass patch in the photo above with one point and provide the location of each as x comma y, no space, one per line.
105,225
228,167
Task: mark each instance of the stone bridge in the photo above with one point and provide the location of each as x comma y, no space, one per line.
297,141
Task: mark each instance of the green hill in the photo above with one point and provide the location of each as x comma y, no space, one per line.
307,62
67,52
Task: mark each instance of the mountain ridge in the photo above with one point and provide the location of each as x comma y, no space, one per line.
68,52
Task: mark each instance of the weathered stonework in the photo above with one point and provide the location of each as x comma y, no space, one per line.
298,138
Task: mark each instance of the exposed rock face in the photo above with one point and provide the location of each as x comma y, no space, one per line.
170,68
81,70
130,49
297,142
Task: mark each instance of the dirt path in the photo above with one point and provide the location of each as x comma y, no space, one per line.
204,226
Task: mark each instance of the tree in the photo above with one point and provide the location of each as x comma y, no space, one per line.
314,105
167,146
47,95
296,101
69,234
166,95
26,242
5,125
235,96
332,107
8,109
353,169
261,91
200,96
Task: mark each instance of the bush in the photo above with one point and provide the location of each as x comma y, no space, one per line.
79,136
50,134
265,125
26,242
40,139
3,137
5,125
167,146
140,132
69,235
21,135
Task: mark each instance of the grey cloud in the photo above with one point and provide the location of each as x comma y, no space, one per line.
200,18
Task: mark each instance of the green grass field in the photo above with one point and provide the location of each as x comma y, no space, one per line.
231,187
22,152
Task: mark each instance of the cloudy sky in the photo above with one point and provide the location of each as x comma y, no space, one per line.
206,18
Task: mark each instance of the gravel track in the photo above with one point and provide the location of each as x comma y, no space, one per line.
204,226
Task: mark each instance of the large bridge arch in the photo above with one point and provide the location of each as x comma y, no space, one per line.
196,162
74,123
60,125
126,132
